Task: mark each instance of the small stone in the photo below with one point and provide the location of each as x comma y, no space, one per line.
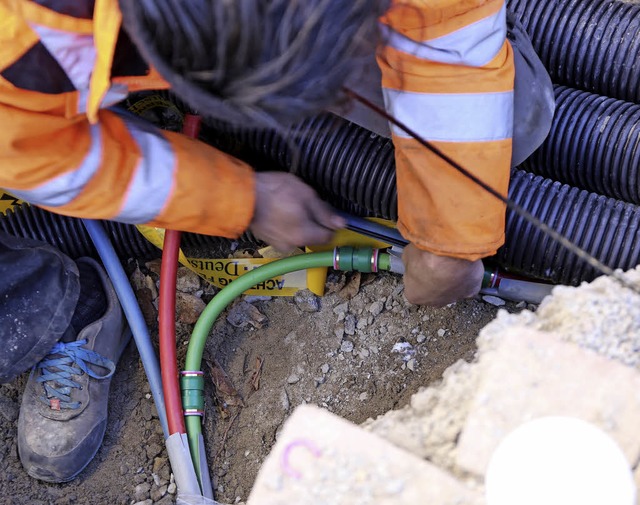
363,396
290,338
153,450
364,353
347,346
521,305
350,325
161,468
362,324
137,279
441,332
411,364
341,309
141,492
158,493
188,307
284,400
339,332
401,347
325,368
421,338
293,378
144,502
172,488
138,478
256,298
376,308
494,300
187,280
243,314
306,301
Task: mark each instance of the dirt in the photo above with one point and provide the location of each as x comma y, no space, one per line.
335,351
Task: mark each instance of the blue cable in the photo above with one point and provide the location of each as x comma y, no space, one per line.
133,313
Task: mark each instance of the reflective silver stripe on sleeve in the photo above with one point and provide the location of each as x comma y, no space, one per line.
76,53
64,188
455,117
154,176
474,45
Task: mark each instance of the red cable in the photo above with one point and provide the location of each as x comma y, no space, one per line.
167,330
167,311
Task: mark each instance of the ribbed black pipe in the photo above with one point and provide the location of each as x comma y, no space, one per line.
594,144
345,160
346,164
355,165
587,44
605,227
70,236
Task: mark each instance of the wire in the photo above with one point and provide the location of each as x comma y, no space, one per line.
167,310
167,331
132,312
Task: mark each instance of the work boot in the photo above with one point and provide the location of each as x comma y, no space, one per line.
64,407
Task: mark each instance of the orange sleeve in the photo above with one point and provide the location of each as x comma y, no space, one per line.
122,169
447,73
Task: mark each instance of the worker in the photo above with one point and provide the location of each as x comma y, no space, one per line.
447,71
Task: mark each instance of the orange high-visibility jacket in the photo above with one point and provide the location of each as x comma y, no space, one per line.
447,72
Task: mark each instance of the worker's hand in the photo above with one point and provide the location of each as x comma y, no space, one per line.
439,280
288,213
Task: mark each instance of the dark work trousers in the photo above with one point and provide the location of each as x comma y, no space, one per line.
39,289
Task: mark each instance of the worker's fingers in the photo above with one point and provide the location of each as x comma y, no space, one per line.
322,213
288,213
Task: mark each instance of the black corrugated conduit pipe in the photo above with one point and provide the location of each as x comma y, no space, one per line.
594,144
70,236
338,156
341,160
588,44
605,227
348,162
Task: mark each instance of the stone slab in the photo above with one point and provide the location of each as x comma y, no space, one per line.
534,374
321,459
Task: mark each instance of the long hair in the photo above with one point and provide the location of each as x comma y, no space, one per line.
264,61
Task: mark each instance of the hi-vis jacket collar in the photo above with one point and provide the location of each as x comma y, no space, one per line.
74,43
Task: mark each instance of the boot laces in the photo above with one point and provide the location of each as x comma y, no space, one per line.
57,369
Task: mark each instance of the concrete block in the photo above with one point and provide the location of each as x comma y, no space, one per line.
533,374
321,459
